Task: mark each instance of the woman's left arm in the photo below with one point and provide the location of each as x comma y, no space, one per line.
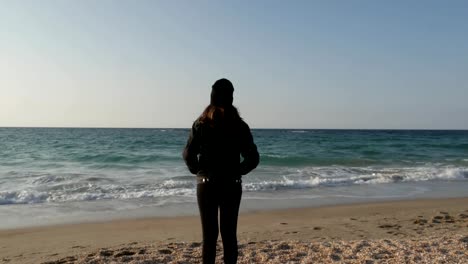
192,150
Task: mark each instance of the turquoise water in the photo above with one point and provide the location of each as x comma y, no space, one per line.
70,174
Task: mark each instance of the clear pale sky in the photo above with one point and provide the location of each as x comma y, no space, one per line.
294,64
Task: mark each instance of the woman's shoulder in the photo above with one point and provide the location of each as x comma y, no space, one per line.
243,124
196,125
199,125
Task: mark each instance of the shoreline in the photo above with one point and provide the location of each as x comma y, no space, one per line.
43,215
400,220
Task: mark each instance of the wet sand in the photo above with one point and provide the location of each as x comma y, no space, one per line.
417,231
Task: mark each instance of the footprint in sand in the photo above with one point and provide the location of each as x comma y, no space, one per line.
445,217
71,258
195,244
124,253
106,253
77,247
335,257
165,251
464,240
386,226
420,221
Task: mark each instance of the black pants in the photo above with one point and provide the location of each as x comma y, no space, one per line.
226,197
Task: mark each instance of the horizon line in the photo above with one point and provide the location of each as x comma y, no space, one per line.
254,128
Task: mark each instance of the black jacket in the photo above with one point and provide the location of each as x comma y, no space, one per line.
215,152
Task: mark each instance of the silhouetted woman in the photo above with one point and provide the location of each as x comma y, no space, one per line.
218,139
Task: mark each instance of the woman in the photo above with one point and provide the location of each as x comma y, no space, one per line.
217,140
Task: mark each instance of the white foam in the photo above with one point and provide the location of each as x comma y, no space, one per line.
54,189
92,193
275,156
285,183
22,197
342,176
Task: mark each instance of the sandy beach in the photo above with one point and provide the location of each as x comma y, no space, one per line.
417,231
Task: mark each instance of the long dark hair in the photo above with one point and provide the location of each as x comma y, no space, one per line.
217,115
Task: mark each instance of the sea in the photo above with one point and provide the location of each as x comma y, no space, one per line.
70,175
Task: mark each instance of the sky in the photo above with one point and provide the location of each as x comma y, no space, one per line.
294,64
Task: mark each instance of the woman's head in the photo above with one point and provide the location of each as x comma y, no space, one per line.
220,109
222,93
